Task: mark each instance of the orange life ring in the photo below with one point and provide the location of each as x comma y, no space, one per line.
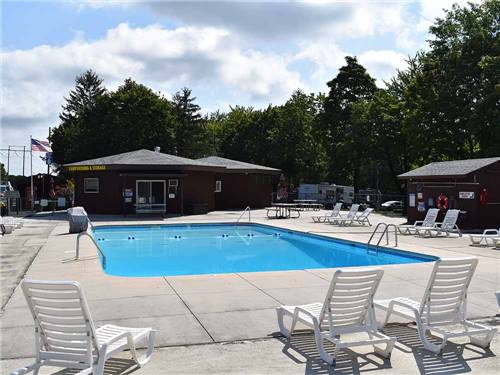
442,202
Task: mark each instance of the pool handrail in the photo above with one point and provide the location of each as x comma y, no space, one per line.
384,232
86,233
243,213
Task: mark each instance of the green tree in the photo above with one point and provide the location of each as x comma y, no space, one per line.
294,147
343,138
190,132
89,86
128,119
463,64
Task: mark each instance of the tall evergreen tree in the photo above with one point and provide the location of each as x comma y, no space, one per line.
189,130
89,86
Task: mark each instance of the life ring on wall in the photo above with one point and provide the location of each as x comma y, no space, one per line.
442,202
483,197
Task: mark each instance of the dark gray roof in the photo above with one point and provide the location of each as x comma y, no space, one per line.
455,168
143,157
237,165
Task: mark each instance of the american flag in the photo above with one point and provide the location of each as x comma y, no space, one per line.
42,146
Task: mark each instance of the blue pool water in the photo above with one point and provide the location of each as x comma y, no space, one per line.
167,250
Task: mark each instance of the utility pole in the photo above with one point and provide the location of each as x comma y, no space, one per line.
24,157
8,160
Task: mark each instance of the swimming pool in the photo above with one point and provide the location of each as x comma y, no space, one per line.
191,249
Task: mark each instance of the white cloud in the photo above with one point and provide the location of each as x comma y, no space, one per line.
432,9
382,64
35,80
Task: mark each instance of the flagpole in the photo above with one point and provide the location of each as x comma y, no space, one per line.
31,167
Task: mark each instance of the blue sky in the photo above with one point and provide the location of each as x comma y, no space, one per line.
247,53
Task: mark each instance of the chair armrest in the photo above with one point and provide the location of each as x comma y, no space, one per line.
405,305
492,231
299,309
418,222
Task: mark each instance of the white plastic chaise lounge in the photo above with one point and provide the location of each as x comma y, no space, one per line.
65,335
7,226
443,307
14,221
488,234
362,218
429,221
347,219
335,213
496,242
447,226
347,309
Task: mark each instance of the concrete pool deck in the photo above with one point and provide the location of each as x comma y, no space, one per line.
232,316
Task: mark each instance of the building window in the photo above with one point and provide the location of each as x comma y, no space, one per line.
218,186
91,185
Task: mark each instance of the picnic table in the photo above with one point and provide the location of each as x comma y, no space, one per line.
308,204
283,211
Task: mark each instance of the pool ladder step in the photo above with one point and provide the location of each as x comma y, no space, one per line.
385,232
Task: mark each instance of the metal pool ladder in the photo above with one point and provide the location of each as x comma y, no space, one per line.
370,246
86,233
243,213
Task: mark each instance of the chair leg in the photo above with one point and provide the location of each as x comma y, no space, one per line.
141,361
284,331
32,367
482,341
325,356
438,349
387,351
98,368
386,319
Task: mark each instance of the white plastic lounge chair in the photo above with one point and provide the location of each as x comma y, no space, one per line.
362,218
13,221
65,335
345,219
335,213
7,225
348,308
444,305
449,225
488,234
429,221
496,242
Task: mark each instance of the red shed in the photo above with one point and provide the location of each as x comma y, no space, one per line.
472,186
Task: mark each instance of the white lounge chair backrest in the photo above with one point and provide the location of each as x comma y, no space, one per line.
430,217
349,302
446,293
63,321
336,209
365,213
450,219
353,211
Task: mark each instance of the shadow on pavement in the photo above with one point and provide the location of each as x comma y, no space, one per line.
114,366
450,362
348,361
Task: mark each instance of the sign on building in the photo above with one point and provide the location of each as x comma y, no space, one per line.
466,195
